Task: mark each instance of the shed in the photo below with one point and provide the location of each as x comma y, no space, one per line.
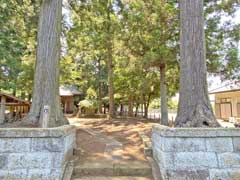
227,101
15,107
69,97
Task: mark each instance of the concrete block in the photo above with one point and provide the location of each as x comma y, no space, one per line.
33,160
222,174
69,142
58,160
20,174
44,174
195,132
219,144
155,155
35,153
236,144
37,132
156,141
219,160
228,160
3,161
47,145
3,174
186,174
183,144
198,160
11,145
166,159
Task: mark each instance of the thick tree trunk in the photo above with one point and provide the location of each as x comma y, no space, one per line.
45,110
194,107
163,94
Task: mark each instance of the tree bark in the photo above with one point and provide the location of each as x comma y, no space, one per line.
99,87
137,107
29,97
163,94
145,110
130,106
194,106
110,63
121,110
45,110
146,104
100,99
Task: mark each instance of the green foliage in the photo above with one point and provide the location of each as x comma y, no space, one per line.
155,104
222,39
142,35
87,103
91,94
18,22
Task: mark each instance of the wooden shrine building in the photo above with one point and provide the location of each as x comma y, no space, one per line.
12,107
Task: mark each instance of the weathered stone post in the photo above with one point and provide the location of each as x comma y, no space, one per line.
2,109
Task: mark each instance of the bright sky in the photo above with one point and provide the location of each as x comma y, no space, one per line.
215,82
237,18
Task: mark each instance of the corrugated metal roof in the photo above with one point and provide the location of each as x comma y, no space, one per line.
68,91
228,87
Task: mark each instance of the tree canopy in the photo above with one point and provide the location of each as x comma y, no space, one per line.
115,48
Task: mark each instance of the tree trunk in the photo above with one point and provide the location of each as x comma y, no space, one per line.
194,106
137,107
99,87
130,106
29,97
104,109
121,110
45,110
100,99
109,63
146,105
145,110
163,94
14,91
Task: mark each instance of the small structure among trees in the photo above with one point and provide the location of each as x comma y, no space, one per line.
69,98
16,108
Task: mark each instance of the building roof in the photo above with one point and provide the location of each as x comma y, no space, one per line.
12,100
228,87
69,91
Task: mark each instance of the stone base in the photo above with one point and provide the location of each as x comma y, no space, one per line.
35,153
199,154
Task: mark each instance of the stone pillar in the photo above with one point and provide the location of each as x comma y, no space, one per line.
2,109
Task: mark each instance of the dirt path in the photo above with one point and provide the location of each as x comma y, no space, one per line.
121,130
